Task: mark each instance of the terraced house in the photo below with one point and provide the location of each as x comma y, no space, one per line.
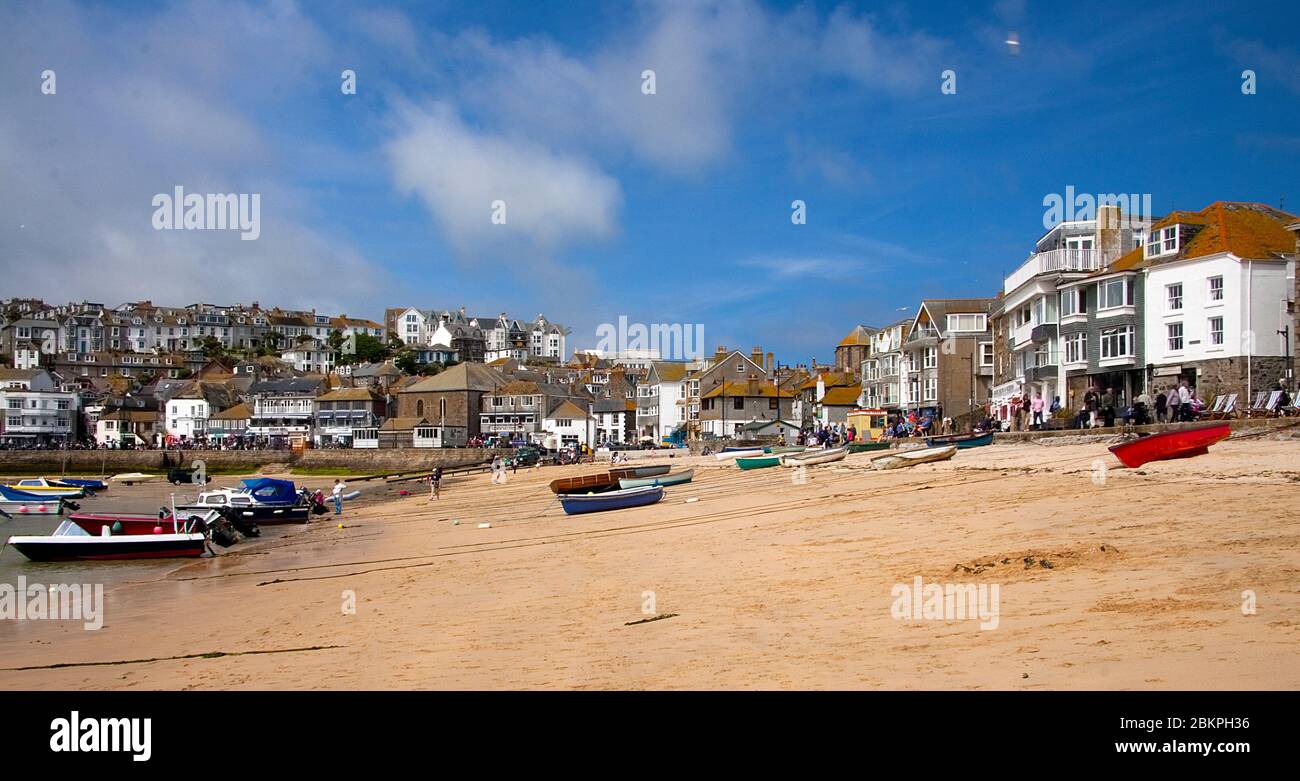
948,358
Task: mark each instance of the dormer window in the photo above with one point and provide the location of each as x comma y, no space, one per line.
1162,241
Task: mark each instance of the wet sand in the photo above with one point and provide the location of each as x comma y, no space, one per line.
762,583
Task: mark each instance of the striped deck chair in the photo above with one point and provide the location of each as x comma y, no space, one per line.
1261,399
1228,410
1270,406
1291,409
1217,406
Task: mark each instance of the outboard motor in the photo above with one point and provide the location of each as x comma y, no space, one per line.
221,531
245,526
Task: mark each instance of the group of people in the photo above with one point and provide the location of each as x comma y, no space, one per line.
827,435
912,424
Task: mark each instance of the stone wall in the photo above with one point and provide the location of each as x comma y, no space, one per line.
41,462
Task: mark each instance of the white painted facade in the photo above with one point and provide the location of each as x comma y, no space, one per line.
187,418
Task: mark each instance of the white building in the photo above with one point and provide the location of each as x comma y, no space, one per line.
568,424
36,410
310,355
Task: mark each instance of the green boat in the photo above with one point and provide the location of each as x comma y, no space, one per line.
758,462
781,449
641,482
863,447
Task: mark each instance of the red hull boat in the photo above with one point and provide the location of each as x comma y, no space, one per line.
94,523
1170,444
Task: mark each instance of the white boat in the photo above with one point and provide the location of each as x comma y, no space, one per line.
132,478
730,454
814,457
39,486
914,457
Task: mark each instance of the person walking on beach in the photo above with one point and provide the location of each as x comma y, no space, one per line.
1184,402
337,493
1038,409
435,483
498,470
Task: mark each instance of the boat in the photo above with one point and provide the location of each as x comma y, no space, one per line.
737,448
962,441
134,478
135,524
576,504
784,449
758,462
1170,444
866,447
815,456
593,482
729,454
71,542
673,479
639,471
93,485
23,503
39,486
914,457
262,500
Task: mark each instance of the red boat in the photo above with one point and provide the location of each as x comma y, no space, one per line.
94,523
1170,444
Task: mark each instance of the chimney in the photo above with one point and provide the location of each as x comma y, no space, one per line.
771,363
756,355
1109,245
753,385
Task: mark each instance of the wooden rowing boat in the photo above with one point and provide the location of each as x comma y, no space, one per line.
1170,444
962,441
814,457
673,479
594,482
914,457
865,447
758,462
576,504
729,454
639,471
785,449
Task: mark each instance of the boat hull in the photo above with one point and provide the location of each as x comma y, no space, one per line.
636,472
962,442
596,482
136,546
866,447
914,457
815,457
93,485
1170,444
758,462
729,454
641,482
575,504
53,492
38,506
264,514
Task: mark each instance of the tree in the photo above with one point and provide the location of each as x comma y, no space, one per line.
369,349
212,347
407,362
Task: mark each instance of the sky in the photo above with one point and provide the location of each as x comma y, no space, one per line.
670,206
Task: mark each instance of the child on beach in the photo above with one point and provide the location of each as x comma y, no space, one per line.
338,496
435,483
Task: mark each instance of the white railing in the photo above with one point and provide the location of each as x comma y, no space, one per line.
1052,261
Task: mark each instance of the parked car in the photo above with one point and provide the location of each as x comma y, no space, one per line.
526,456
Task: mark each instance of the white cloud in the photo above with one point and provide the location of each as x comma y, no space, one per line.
550,198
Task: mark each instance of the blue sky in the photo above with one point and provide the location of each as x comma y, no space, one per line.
672,207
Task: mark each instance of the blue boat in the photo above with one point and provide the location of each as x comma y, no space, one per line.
14,495
268,490
962,441
576,504
94,485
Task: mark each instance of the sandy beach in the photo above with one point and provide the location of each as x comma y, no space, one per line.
1108,578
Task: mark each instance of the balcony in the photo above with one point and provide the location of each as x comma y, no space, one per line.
1055,261
1044,331
926,337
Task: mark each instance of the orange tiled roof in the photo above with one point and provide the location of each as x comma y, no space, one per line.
1247,230
844,396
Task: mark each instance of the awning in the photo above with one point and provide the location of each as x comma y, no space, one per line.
1168,371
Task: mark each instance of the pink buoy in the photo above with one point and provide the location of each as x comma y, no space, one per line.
22,509
157,530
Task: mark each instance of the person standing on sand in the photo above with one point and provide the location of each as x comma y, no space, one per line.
435,483
337,493
1184,401
1038,409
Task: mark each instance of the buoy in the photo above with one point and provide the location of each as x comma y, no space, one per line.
455,523
340,526
485,526
40,508
157,530
22,509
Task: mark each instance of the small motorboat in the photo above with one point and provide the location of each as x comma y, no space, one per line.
867,447
673,479
738,453
593,482
91,485
914,457
39,486
1170,444
576,504
22,503
135,478
639,471
815,456
70,542
132,524
962,441
267,504
758,462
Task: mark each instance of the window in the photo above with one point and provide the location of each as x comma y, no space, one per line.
1162,241
1216,331
986,353
1076,348
1174,295
931,357
1174,332
1170,239
931,389
972,322
1216,289
1113,293
1073,302
738,402
1117,343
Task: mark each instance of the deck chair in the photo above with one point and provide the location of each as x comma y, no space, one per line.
1228,410
1261,399
1217,407
1270,406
